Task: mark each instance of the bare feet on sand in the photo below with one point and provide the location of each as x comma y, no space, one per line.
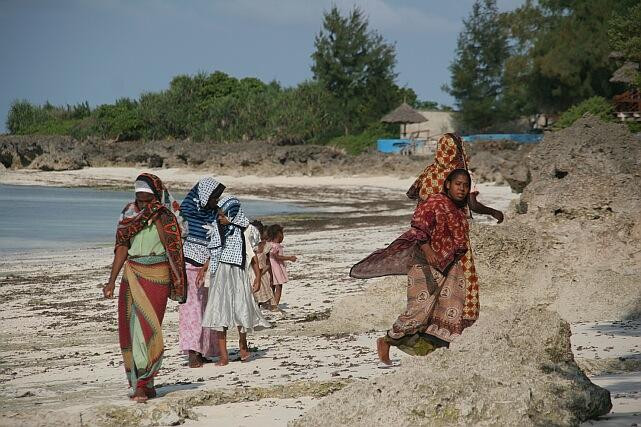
223,361
382,347
195,359
140,395
243,348
245,355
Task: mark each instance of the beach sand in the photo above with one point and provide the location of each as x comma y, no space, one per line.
59,358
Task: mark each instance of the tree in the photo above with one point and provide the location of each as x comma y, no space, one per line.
121,120
357,66
477,70
561,53
625,35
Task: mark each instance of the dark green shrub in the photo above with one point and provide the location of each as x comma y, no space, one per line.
121,120
25,118
597,106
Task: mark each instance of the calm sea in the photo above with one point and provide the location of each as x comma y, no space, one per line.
37,218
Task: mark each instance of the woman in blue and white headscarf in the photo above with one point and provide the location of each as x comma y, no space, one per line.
231,301
199,208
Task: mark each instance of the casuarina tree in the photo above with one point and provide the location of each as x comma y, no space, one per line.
477,70
357,66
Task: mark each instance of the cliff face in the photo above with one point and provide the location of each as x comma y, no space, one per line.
64,153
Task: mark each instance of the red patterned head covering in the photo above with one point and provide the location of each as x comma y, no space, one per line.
449,155
133,220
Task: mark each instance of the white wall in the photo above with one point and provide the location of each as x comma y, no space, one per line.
438,123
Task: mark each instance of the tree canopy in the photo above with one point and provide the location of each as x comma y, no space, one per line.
542,57
477,70
625,35
356,65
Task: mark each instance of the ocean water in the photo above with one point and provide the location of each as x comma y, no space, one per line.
50,218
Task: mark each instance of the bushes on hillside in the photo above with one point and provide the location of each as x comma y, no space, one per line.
597,106
204,107
25,118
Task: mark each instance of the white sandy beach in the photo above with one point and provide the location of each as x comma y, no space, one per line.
59,359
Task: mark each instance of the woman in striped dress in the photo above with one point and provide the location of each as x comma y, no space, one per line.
198,208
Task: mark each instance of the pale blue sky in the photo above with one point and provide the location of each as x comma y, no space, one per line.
69,51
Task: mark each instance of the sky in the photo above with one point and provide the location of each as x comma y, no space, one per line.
71,51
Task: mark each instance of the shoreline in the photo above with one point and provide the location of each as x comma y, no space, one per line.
184,178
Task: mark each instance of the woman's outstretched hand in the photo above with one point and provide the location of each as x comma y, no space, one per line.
108,290
498,215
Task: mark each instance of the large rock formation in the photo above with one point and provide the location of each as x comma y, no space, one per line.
589,170
258,158
510,368
500,161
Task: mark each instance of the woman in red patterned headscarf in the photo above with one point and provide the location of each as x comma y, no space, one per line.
439,304
149,245
449,155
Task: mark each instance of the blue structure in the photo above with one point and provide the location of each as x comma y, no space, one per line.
391,145
524,138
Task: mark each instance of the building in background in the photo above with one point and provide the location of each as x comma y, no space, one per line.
436,124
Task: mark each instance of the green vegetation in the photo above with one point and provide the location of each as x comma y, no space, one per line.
353,86
357,67
477,71
543,57
547,56
597,106
25,118
625,36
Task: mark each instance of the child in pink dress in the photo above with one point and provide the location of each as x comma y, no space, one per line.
277,260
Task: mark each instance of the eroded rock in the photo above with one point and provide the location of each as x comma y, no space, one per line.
510,368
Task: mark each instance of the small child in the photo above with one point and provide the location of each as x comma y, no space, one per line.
275,235
264,296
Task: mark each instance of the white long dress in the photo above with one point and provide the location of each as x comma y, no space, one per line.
231,302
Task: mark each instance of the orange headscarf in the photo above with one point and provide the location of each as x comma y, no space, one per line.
449,155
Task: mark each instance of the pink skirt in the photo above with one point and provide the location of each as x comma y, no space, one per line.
192,334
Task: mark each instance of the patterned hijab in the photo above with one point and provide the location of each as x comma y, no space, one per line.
133,220
205,188
227,243
449,155
193,206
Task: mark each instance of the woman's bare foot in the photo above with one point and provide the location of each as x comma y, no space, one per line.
221,336
140,395
382,347
245,355
243,348
195,359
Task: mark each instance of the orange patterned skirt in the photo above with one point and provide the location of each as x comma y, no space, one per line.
435,306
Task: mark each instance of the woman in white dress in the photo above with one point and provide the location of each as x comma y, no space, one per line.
231,302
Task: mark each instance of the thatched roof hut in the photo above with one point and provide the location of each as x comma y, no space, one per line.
404,114
626,73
